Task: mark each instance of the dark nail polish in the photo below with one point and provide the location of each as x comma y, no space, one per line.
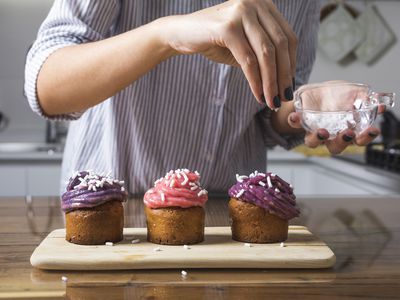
289,93
347,138
373,134
277,101
320,137
294,83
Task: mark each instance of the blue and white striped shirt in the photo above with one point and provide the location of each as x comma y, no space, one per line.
188,112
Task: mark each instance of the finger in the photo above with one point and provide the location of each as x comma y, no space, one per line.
294,120
290,34
340,142
265,53
281,43
367,136
316,138
238,45
381,108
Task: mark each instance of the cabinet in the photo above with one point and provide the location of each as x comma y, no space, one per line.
309,176
333,177
30,178
12,180
43,180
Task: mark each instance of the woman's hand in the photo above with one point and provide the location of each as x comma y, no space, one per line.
341,141
251,34
333,102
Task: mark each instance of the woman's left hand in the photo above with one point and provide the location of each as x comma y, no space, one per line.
341,141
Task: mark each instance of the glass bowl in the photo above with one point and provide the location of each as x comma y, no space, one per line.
337,106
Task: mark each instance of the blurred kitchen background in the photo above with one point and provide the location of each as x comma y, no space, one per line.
31,148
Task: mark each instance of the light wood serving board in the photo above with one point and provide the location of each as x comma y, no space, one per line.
302,250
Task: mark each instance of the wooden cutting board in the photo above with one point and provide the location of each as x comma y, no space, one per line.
302,250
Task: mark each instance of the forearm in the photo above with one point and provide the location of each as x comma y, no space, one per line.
77,77
279,120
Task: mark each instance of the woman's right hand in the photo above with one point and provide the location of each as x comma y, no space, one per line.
251,34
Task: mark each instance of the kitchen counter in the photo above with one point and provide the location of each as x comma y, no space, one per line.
364,233
361,171
34,157
315,175
18,152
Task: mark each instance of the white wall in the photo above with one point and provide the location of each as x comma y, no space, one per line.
19,23
384,75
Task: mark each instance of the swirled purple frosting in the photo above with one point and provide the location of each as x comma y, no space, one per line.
87,189
268,191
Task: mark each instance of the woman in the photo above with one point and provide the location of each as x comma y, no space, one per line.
158,85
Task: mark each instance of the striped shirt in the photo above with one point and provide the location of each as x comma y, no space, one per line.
188,112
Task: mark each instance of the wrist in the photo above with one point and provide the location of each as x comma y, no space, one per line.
163,28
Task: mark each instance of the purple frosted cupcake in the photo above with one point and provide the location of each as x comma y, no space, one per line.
93,209
260,208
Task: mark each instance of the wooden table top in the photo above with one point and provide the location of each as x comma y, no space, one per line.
364,233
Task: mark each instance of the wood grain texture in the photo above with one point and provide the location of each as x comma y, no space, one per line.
363,232
302,250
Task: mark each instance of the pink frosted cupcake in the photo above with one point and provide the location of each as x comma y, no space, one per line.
174,209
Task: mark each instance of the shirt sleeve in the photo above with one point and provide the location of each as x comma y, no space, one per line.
69,22
306,51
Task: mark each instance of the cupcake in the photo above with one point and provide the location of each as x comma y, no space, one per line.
260,207
174,209
93,209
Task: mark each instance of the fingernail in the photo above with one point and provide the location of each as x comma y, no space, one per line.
294,83
373,134
277,101
347,138
289,93
320,137
291,119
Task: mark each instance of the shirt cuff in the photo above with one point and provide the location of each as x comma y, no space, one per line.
34,64
272,138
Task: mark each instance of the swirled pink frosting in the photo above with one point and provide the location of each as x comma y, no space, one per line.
87,189
180,188
268,191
